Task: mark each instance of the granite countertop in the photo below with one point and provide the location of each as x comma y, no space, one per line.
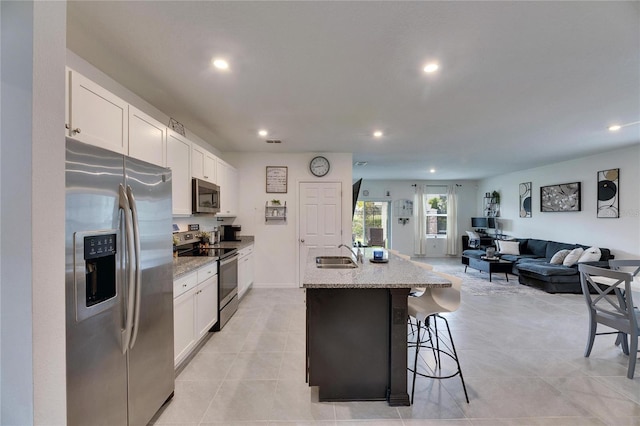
187,264
397,273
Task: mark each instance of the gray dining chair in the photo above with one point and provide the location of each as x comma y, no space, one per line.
610,301
627,265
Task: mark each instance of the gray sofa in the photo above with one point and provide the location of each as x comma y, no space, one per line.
533,268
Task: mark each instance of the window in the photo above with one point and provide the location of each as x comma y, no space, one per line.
436,210
370,214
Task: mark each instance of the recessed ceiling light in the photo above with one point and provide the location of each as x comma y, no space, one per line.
616,127
431,67
263,132
221,64
360,163
432,171
377,134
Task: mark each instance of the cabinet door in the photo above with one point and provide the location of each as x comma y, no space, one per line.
197,161
210,168
147,138
228,182
242,275
96,116
179,161
184,315
206,305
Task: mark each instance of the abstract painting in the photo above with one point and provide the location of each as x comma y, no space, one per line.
564,197
525,199
608,193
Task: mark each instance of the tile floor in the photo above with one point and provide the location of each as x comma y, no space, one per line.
521,356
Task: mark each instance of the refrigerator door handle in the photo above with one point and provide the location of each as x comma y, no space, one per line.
126,333
138,270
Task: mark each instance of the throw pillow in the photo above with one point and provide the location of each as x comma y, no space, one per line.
573,256
592,254
510,247
473,235
558,258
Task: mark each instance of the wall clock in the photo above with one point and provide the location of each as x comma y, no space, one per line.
319,166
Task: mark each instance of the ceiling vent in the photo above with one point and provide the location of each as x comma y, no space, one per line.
360,163
273,141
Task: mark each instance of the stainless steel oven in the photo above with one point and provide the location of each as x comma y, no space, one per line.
205,197
227,287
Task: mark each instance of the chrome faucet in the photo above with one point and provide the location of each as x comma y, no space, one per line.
358,254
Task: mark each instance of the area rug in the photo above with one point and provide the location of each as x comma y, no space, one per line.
477,283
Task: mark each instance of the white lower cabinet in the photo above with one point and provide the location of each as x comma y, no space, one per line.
245,270
195,309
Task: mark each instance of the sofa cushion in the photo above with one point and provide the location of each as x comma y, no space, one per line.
557,258
547,269
553,247
537,247
592,254
518,258
573,256
474,253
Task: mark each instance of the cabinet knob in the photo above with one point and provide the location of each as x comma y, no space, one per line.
302,240
76,130
184,285
66,126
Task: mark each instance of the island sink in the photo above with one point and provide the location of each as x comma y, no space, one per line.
335,262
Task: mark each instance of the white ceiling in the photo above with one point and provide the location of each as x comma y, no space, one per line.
521,84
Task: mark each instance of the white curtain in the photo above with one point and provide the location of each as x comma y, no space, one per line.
419,223
452,220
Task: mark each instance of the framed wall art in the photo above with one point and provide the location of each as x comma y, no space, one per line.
277,179
525,199
564,197
608,193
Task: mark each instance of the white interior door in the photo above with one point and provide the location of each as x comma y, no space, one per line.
320,224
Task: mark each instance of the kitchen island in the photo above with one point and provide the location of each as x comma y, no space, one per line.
357,327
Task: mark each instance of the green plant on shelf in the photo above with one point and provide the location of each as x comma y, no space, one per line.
275,202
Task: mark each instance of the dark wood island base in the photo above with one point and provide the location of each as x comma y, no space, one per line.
357,344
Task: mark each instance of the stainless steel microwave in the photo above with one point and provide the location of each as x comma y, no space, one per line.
205,197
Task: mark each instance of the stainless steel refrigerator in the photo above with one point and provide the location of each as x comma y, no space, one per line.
119,287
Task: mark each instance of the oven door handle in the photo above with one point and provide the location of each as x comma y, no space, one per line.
227,260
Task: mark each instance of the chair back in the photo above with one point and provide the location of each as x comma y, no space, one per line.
448,297
609,297
376,237
626,265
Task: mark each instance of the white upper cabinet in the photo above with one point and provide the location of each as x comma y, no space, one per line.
147,138
203,164
96,116
179,161
228,182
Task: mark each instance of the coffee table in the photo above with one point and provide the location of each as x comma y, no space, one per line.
488,265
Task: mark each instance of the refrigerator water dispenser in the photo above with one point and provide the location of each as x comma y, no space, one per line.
100,267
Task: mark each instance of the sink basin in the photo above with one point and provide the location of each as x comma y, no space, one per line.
335,262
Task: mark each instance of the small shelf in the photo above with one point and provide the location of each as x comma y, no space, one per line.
275,211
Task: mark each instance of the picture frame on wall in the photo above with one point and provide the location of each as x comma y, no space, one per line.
564,197
276,179
525,199
609,194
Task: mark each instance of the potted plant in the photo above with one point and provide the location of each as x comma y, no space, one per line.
205,237
495,195
275,202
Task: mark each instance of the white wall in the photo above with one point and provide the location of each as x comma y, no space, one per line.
620,235
276,243
32,213
402,235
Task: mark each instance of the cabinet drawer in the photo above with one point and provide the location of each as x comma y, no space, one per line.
184,283
246,251
207,271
